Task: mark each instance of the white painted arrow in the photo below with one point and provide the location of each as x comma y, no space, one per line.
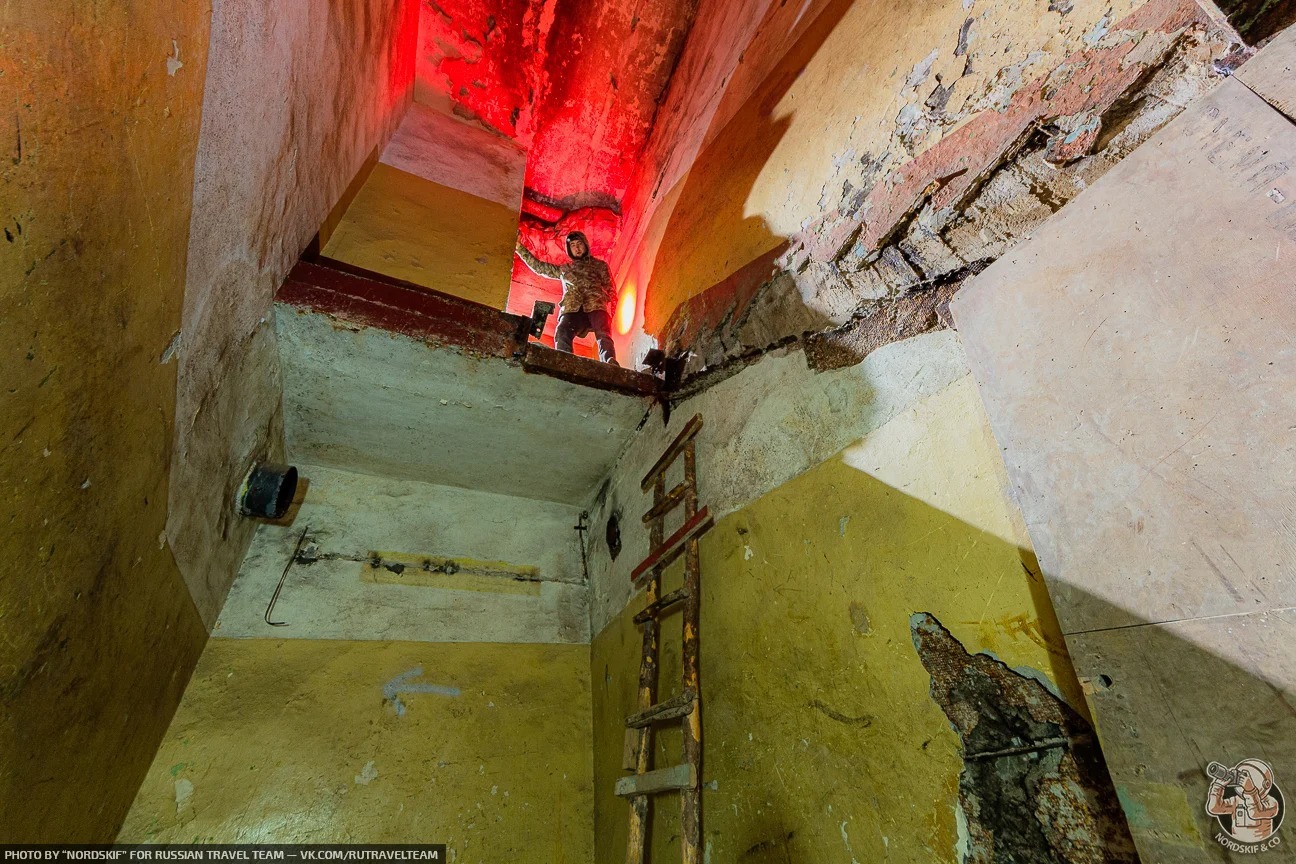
405,683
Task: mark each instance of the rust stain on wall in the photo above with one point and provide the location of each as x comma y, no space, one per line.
1034,786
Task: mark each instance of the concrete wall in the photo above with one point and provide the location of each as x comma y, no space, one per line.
439,210
333,741
97,631
376,558
409,228
765,426
368,400
868,556
1136,363
425,679
296,99
126,133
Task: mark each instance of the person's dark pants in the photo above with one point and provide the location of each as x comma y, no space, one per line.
573,324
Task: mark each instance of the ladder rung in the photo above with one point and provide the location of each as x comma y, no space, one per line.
670,779
657,606
691,428
667,504
670,550
676,706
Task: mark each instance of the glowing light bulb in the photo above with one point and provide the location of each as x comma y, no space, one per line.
625,311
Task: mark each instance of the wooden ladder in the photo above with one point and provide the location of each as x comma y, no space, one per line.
685,778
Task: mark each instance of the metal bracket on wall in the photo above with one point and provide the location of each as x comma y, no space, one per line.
278,588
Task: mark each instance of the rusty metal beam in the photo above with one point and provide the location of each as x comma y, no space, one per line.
542,360
359,296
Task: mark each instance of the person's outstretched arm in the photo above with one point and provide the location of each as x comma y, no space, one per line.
538,267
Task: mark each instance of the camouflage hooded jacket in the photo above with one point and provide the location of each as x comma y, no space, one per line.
587,281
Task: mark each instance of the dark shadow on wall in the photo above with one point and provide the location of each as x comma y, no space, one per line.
826,649
1257,20
708,209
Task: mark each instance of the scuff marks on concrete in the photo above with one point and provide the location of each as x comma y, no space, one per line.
862,720
1034,786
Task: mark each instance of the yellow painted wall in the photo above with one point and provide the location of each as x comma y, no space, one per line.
832,101
411,228
821,741
97,631
294,741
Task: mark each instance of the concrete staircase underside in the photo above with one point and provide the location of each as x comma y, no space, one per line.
391,379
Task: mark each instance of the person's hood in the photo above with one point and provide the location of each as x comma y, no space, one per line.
577,235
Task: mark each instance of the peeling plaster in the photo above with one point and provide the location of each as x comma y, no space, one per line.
1034,786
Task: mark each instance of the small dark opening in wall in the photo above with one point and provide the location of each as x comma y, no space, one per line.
613,535
1257,20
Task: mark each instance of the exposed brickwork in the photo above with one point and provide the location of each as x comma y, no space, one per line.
983,187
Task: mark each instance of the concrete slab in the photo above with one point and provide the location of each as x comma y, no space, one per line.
1135,358
1136,362
440,148
371,401
1158,744
1271,74
338,595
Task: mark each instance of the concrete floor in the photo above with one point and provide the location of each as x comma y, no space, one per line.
333,741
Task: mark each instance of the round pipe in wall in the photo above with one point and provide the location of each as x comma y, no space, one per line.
268,491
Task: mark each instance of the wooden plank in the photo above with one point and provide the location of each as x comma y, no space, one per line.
671,779
667,504
663,555
676,706
691,428
655,607
630,755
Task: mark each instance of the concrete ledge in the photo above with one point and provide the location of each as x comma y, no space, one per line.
363,297
359,296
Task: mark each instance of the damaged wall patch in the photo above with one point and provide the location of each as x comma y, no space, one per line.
1034,786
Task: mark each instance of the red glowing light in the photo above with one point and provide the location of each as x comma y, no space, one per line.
625,312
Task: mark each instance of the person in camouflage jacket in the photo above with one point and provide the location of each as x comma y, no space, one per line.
588,294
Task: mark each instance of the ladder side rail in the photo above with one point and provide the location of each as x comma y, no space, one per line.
691,798
686,435
638,837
